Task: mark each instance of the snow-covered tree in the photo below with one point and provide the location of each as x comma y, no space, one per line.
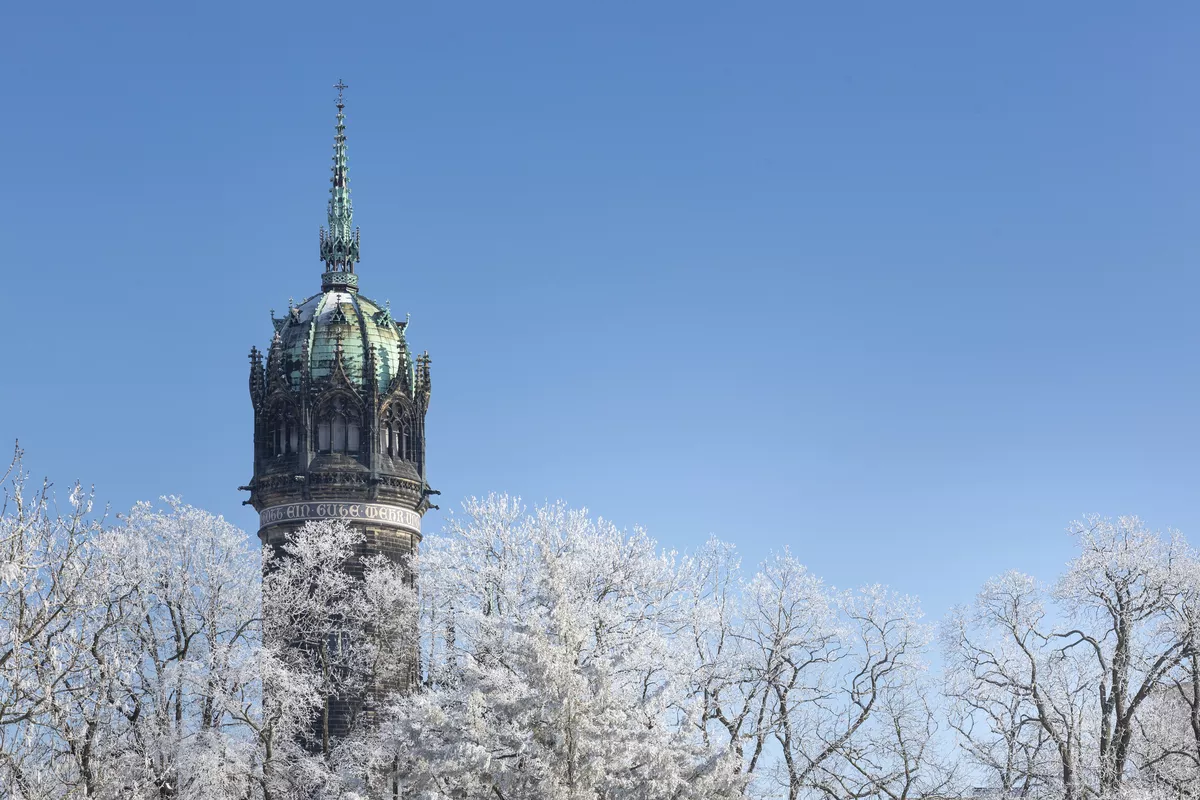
1167,742
328,637
995,725
844,671
1120,591
46,561
554,666
138,661
999,655
558,657
1081,674
729,677
183,589
566,658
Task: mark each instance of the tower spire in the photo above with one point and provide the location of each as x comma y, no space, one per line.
339,245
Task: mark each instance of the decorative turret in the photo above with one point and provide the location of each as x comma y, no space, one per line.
339,245
258,379
423,383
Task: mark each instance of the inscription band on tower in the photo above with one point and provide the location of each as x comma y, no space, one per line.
375,513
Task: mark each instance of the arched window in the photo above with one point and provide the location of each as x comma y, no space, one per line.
283,433
395,438
339,430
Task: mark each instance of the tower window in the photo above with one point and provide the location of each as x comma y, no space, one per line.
394,437
283,434
339,431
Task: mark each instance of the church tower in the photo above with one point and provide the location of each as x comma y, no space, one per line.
339,406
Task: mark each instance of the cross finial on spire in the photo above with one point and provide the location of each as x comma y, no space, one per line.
341,87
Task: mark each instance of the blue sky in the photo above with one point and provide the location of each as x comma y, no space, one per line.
906,287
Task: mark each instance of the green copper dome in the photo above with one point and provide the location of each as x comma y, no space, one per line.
339,334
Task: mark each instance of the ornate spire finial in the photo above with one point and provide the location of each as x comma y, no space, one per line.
339,245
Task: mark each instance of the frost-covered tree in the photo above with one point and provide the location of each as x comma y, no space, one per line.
553,666
327,636
561,658
164,659
730,671
1000,654
137,660
183,596
566,658
1080,673
1120,591
46,563
844,671
1167,743
995,725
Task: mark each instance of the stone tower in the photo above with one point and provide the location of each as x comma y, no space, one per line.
339,406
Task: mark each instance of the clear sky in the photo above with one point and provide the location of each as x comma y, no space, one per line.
904,286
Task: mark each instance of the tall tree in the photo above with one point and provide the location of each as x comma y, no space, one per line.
1120,590
1084,675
